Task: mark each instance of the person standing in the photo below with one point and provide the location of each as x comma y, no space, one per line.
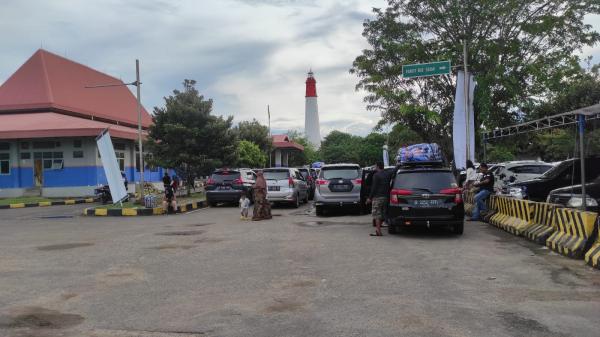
378,197
244,205
166,180
486,185
262,207
471,175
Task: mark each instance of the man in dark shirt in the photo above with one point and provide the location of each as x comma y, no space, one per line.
486,185
380,191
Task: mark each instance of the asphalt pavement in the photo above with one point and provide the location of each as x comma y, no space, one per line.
208,273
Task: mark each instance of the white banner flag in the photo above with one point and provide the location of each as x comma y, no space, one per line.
111,167
459,128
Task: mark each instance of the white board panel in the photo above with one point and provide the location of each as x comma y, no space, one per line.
111,167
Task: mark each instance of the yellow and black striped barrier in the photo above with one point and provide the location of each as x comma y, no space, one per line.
592,257
492,209
502,211
132,211
50,203
543,222
469,202
574,230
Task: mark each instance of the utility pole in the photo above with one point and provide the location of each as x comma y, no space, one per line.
270,136
139,110
467,81
582,161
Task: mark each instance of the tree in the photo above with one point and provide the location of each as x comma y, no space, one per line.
521,51
340,147
371,149
250,155
186,137
256,133
306,157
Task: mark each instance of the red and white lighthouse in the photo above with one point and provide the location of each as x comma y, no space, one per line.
311,112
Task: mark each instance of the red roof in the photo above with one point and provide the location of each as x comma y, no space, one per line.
283,142
48,82
51,124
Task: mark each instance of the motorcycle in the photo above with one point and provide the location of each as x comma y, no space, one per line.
103,192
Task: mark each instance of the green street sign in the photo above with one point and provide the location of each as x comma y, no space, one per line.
426,69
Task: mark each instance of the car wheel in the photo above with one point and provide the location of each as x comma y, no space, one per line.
296,203
319,210
458,228
392,229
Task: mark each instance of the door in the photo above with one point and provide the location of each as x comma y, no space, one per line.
38,172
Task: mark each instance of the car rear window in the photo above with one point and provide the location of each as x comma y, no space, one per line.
276,174
339,173
225,175
426,181
530,169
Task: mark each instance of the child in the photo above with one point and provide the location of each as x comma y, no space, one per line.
244,205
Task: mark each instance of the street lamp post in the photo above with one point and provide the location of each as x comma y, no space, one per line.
138,84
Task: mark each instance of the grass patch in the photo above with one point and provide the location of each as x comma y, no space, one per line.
24,200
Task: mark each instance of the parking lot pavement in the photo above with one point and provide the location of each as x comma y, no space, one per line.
208,273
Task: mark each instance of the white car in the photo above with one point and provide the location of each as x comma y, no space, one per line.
517,171
286,185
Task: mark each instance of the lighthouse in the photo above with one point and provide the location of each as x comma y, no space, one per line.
311,112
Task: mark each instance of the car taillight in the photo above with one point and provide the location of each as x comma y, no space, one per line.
238,181
322,182
358,181
291,182
453,190
210,181
394,193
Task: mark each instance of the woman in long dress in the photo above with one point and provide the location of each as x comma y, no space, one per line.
262,207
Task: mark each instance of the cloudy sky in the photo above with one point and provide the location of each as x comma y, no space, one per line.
244,54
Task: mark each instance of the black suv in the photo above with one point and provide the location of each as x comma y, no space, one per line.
226,185
310,181
425,195
564,174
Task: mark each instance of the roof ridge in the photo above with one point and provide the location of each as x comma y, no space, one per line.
80,64
47,79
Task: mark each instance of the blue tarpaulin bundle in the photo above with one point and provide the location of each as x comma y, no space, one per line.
418,153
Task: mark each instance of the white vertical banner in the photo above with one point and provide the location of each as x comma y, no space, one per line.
459,126
111,167
386,156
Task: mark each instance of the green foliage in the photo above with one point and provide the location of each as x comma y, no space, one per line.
186,137
401,136
499,153
521,51
371,149
250,155
254,132
310,154
341,147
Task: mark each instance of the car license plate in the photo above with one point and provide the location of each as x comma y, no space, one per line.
427,203
341,188
224,187
273,188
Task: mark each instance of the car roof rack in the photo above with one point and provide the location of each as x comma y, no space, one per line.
422,164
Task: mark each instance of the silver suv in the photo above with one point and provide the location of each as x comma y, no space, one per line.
338,185
286,185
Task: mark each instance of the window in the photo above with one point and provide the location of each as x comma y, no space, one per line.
45,144
121,160
25,155
52,160
77,143
340,172
119,146
4,146
530,169
4,163
24,146
78,154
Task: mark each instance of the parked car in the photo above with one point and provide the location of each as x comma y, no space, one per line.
286,185
228,185
425,195
570,196
567,173
516,171
338,185
310,181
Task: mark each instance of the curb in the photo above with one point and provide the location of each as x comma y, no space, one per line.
51,203
187,207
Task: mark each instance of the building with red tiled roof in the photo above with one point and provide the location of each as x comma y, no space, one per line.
49,118
282,148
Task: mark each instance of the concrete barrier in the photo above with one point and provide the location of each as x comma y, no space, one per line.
469,202
592,257
492,208
542,222
520,219
503,212
574,229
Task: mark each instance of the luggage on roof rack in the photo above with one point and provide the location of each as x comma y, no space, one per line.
420,154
